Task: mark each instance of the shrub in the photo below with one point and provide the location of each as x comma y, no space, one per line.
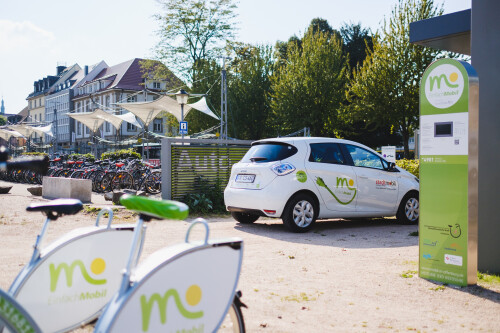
121,154
76,157
412,166
35,154
208,198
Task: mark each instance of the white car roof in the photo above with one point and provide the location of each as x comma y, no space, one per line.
306,139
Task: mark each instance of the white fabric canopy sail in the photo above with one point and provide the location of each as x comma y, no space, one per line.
7,134
202,106
95,119
147,111
43,129
27,130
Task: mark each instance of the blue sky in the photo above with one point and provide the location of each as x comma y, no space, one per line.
36,35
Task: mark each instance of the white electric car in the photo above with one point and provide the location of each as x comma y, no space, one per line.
304,179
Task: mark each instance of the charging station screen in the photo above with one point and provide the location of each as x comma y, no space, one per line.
443,129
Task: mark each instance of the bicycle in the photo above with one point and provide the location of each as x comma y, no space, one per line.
207,272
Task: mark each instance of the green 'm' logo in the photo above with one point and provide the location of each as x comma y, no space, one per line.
438,79
342,184
193,297
97,266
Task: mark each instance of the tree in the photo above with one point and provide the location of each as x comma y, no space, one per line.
248,89
209,73
191,30
385,91
309,89
356,41
3,120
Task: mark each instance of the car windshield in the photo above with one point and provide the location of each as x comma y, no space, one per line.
269,152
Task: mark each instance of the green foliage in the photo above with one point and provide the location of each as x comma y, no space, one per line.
155,70
488,278
121,154
356,42
413,233
248,90
210,70
35,154
386,89
75,157
191,30
408,274
209,197
3,120
412,166
309,89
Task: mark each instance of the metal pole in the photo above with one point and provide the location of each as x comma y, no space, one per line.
223,107
55,128
182,119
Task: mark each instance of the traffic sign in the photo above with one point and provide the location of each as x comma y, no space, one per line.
183,127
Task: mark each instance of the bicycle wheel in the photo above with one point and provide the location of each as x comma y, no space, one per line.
122,180
233,322
105,184
152,183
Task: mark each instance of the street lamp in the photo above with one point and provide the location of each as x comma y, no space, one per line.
182,98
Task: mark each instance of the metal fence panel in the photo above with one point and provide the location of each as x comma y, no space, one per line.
208,162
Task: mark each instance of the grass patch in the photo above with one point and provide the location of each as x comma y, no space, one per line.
414,233
489,279
438,288
408,274
302,297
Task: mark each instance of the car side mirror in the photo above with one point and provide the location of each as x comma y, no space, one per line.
392,166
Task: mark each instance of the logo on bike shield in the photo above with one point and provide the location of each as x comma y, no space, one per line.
97,267
192,297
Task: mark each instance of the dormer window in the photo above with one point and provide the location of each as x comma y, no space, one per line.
156,85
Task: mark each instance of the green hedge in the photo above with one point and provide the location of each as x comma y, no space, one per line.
76,157
121,154
35,154
412,166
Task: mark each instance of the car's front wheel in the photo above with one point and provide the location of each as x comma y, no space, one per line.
244,217
409,208
300,213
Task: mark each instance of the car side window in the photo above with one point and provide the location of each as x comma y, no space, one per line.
326,153
363,158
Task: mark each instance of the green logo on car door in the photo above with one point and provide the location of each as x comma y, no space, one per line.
344,192
301,176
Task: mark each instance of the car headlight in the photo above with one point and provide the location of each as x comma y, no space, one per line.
282,169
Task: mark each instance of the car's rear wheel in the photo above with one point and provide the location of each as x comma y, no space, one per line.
244,217
300,213
409,208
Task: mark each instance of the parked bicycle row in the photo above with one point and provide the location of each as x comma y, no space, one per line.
106,175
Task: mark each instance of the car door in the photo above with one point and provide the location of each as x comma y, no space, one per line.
333,177
377,186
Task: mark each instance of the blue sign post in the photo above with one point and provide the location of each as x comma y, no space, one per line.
183,127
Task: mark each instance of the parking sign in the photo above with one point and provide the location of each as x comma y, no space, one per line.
183,127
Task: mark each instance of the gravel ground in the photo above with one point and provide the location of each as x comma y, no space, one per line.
345,276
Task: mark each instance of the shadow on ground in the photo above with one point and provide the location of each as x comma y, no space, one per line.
356,233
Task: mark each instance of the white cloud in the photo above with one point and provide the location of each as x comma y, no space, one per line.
22,36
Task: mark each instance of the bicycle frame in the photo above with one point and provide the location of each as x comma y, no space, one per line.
187,287
69,282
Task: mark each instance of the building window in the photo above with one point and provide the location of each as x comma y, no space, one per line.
131,128
157,126
131,99
156,85
108,129
78,128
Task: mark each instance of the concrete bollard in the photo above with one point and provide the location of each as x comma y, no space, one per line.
59,187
